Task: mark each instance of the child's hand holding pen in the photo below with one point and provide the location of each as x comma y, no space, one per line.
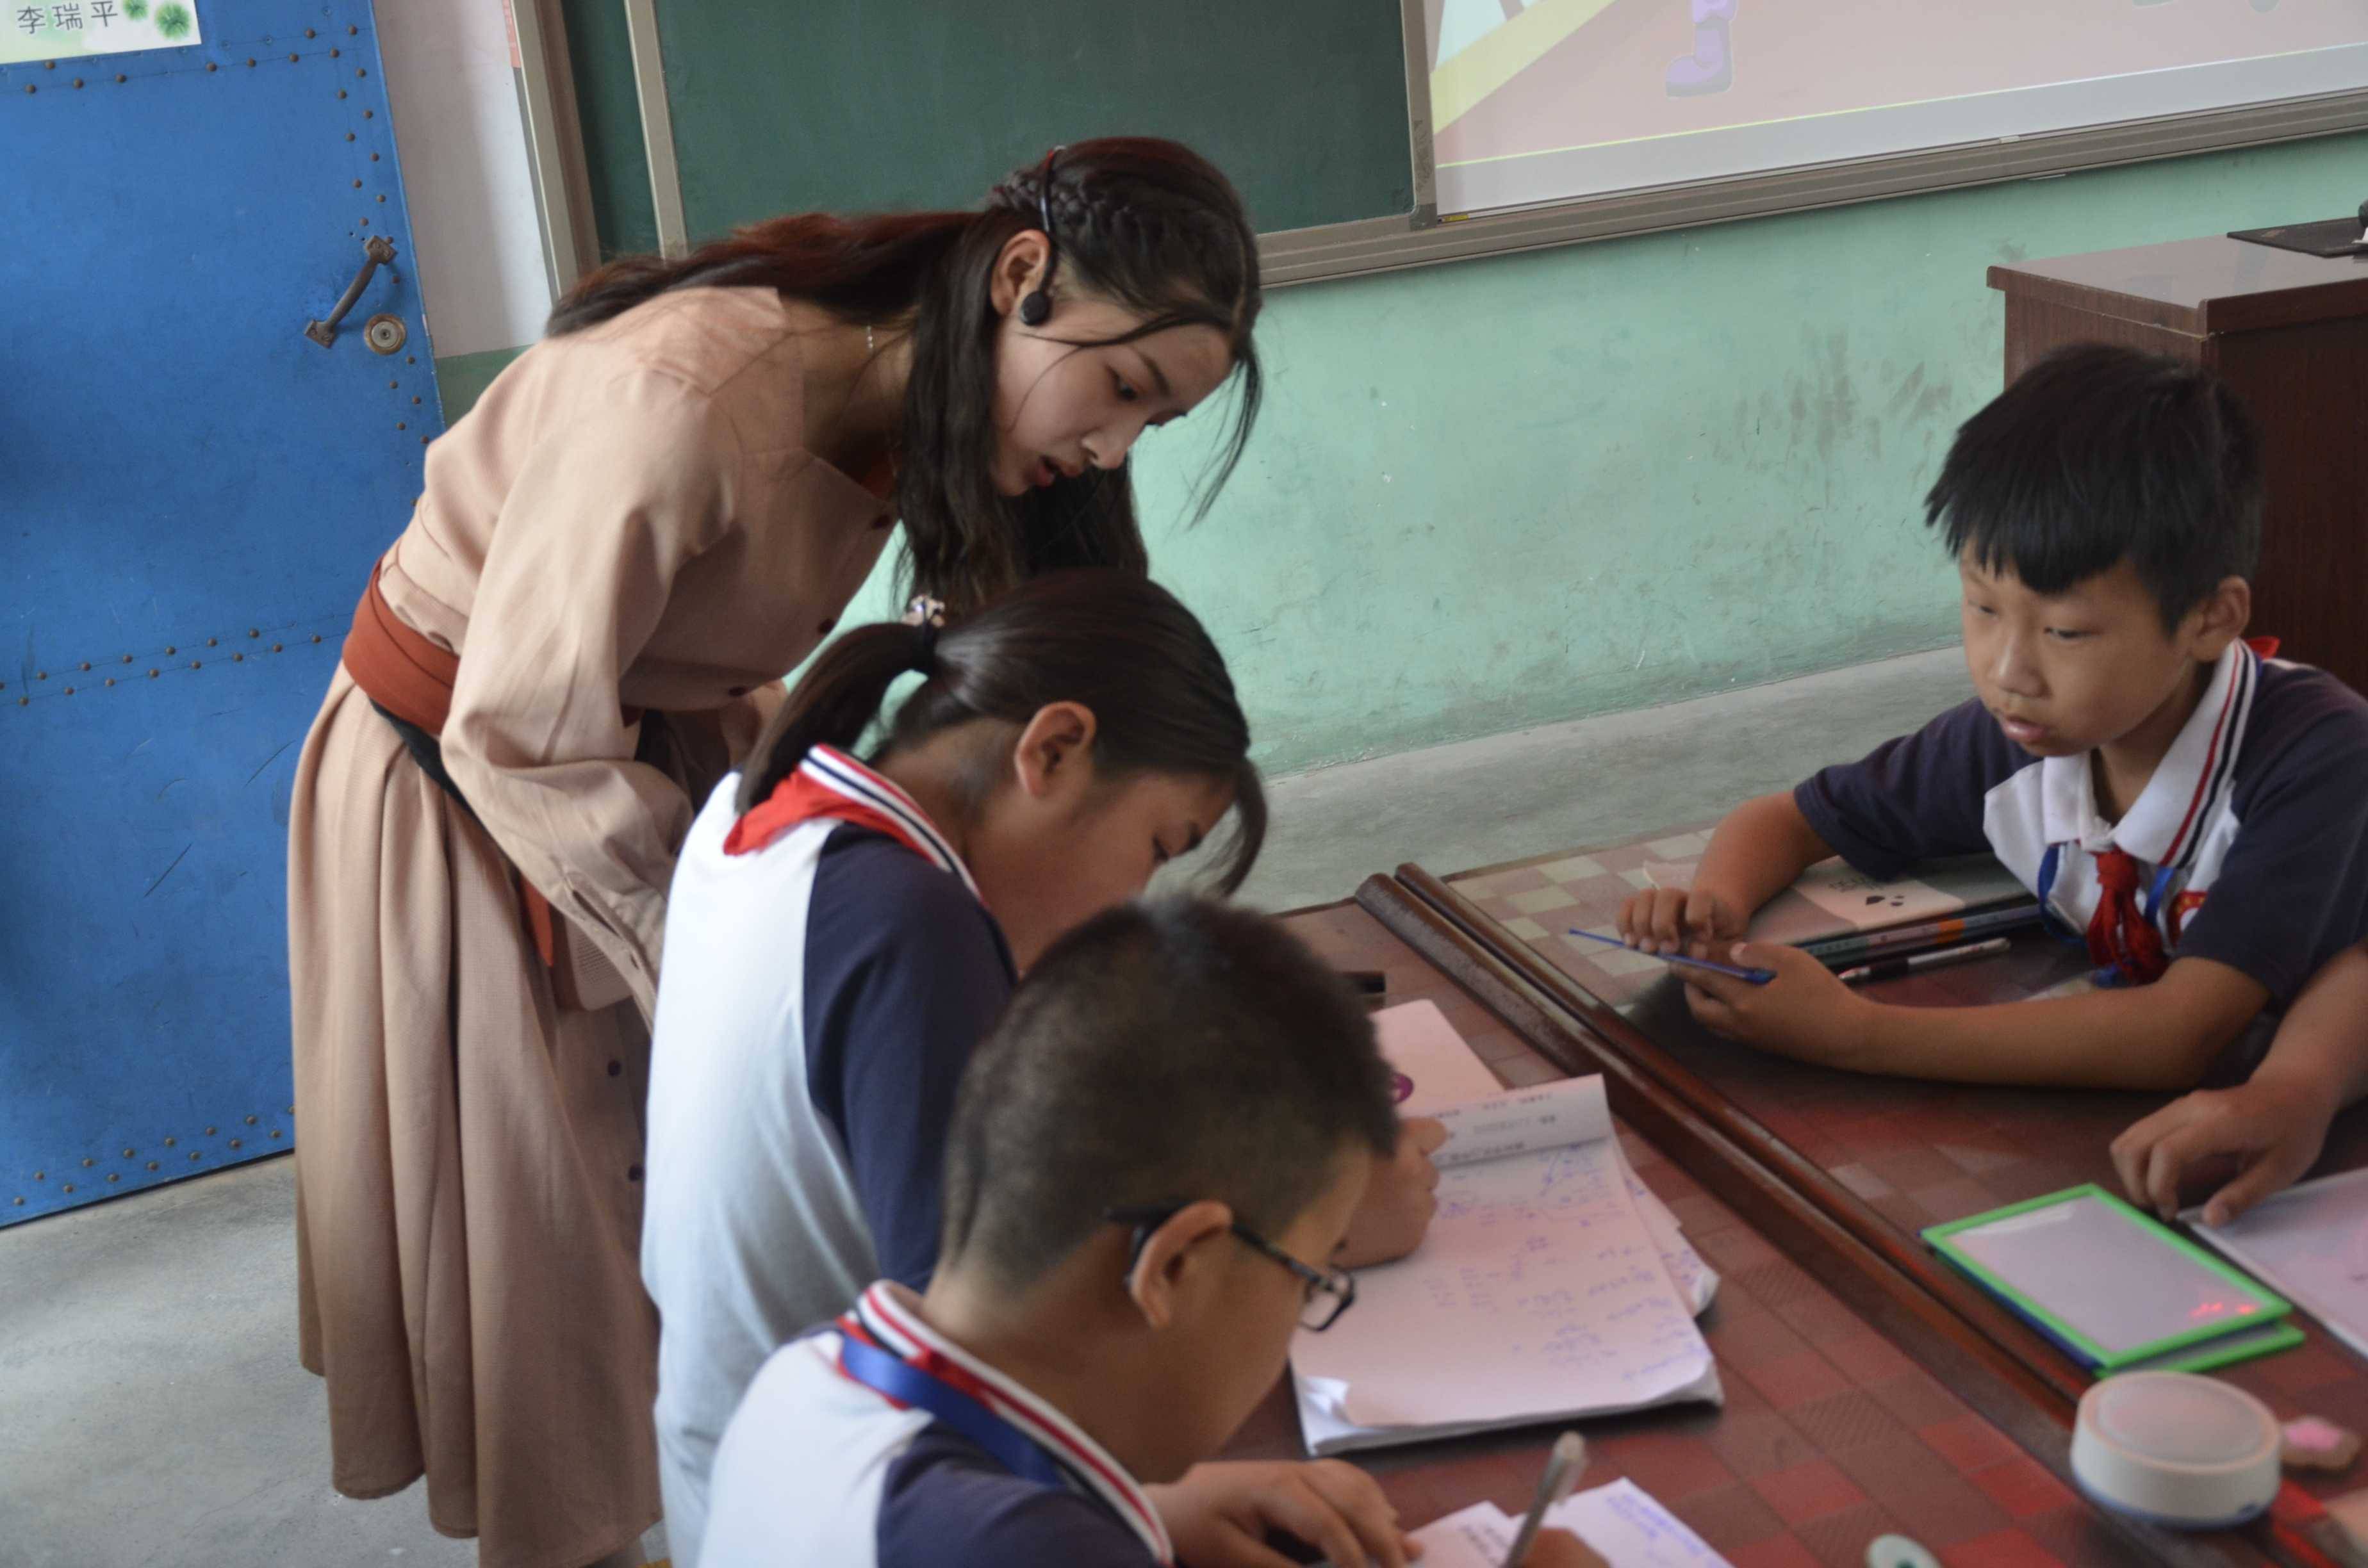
1681,920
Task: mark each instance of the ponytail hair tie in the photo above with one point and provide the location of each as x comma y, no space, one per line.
929,617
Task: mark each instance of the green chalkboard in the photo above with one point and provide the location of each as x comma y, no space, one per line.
600,51
857,105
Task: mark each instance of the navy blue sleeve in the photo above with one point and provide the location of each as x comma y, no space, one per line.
2293,891
1914,799
906,972
944,1502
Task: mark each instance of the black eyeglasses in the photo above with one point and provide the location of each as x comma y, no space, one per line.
1328,1291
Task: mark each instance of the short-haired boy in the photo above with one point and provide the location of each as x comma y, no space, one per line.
1153,1160
2195,812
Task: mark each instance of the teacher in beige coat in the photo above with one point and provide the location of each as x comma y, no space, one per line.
646,522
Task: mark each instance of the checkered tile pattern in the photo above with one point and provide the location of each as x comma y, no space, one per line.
1540,900
1829,1437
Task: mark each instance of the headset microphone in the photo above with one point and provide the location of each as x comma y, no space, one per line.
1037,308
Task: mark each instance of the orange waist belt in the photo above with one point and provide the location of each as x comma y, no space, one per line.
411,678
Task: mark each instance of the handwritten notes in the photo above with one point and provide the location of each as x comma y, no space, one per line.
1542,1291
1554,1115
1624,1524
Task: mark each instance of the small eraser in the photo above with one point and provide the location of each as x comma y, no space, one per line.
2311,1443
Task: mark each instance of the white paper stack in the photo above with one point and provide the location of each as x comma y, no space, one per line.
1546,1290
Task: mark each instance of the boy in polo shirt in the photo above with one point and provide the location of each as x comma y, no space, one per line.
1153,1160
2189,808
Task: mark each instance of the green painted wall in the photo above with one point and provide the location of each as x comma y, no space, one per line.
1503,493
462,379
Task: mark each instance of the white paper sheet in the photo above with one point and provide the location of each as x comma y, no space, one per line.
1623,1523
1519,1121
1696,1280
1551,1116
1540,1292
1435,1068
2310,1242
1437,1072
1865,903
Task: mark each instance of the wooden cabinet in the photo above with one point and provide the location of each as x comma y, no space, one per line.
2289,331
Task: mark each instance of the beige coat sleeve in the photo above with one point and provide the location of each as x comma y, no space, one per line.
600,518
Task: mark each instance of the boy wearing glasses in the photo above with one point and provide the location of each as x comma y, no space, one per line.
1153,1163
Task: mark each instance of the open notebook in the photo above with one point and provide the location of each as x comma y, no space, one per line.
1546,1290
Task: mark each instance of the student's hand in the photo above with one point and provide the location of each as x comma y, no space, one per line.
1220,1514
1806,1012
1560,1549
1693,920
1399,1200
2268,1132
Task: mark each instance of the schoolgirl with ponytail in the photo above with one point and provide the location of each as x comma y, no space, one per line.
843,928
644,521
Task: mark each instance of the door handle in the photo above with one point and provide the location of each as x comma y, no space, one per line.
377,251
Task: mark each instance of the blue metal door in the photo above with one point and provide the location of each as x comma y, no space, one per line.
191,492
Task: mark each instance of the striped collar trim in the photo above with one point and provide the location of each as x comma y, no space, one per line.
2171,814
885,1314
831,785
834,769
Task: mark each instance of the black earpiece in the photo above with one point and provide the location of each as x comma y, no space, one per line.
1036,309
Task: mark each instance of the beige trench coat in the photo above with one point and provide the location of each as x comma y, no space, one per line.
627,520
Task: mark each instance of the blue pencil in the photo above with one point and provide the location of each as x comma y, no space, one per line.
1752,976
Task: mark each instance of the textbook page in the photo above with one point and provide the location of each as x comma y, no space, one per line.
1625,1525
1539,1293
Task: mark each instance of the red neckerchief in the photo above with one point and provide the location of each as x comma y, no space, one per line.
2119,937
829,784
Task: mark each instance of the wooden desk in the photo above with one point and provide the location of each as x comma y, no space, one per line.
2289,334
1832,1434
1879,1158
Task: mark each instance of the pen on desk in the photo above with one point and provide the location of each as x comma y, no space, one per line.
1754,976
1569,1457
1940,958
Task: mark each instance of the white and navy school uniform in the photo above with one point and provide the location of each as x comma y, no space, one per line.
828,971
2248,845
879,1443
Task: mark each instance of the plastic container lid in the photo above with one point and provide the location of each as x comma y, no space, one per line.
2176,1448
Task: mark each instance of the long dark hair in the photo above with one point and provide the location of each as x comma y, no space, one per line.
1114,640
1145,222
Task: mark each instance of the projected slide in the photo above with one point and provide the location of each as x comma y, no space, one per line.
1544,100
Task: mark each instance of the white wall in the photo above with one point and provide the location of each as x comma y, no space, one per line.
462,142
